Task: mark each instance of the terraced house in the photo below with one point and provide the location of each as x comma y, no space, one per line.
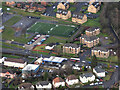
89,41
100,52
92,31
71,48
79,18
63,5
63,14
94,7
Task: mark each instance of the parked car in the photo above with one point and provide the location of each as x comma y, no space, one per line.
97,80
91,84
96,83
100,82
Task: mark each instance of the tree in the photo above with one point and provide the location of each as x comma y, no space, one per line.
93,61
45,76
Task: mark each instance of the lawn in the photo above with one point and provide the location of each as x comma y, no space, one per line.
8,34
52,29
54,39
92,23
72,9
40,48
10,56
12,21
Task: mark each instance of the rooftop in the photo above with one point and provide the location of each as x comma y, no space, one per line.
100,48
98,69
87,75
91,38
72,45
43,83
30,67
15,60
92,29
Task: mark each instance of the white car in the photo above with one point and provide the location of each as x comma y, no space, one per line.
54,7
100,82
91,84
96,83
97,80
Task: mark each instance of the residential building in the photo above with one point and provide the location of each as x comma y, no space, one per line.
29,69
44,84
94,7
99,71
63,14
12,62
44,3
87,77
26,86
10,3
71,48
100,52
72,79
89,41
79,18
57,82
63,5
92,31
7,73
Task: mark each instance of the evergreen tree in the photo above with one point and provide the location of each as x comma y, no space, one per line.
93,61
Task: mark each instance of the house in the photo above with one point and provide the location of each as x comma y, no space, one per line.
39,60
26,86
2,60
71,48
94,7
58,81
89,41
7,73
92,31
44,84
12,62
63,5
87,77
29,69
44,3
100,52
10,3
50,46
40,8
99,71
63,14
71,79
79,18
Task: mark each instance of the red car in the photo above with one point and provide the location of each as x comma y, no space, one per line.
101,80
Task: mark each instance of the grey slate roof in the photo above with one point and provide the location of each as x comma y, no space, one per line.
87,75
61,11
77,15
92,29
91,38
96,4
100,48
72,45
42,83
98,69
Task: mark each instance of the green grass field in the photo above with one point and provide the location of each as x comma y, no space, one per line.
52,29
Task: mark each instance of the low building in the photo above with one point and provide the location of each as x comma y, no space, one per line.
99,71
44,84
10,3
7,73
92,31
89,41
50,46
87,77
26,86
94,7
57,82
12,62
79,18
29,69
71,80
71,48
63,14
39,60
63,5
100,52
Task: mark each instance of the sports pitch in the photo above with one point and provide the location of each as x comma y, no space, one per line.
52,29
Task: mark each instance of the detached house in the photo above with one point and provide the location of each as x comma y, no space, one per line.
72,79
12,62
63,14
26,86
92,31
89,41
71,48
87,77
94,7
58,81
79,18
100,52
44,84
99,71
7,73
63,5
